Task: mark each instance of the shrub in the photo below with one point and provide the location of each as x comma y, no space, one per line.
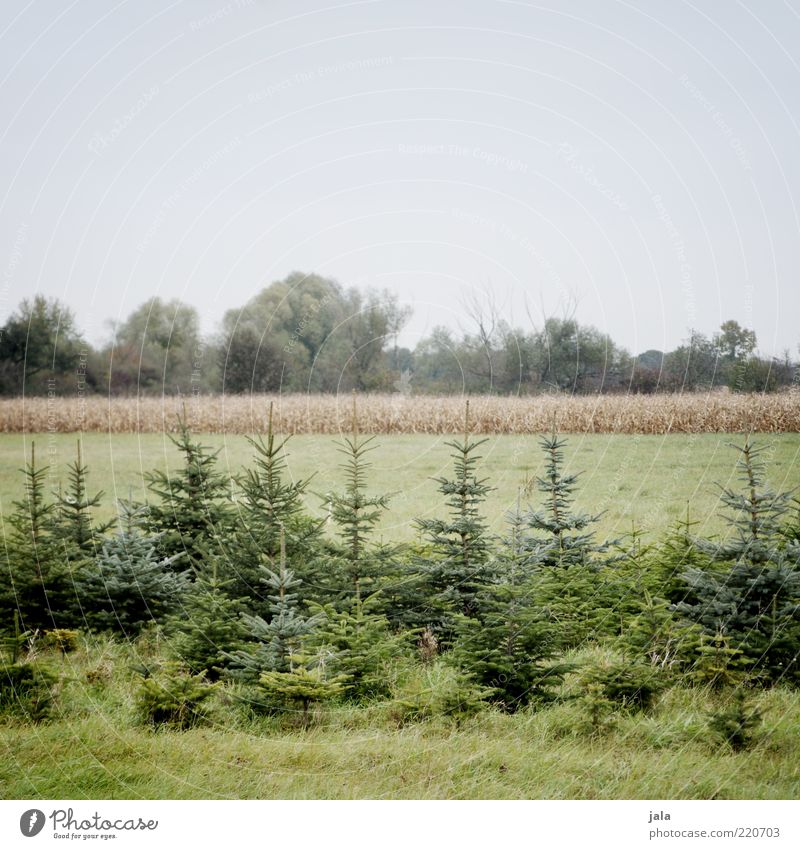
173,697
436,690
27,690
632,685
64,640
735,724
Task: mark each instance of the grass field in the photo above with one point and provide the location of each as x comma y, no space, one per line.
98,750
643,479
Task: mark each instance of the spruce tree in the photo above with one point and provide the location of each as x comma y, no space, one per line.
357,643
751,594
460,545
192,512
132,585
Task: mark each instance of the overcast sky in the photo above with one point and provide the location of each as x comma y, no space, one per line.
639,159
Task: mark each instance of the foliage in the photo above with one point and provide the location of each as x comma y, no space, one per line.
192,513
269,509
436,690
208,629
632,685
169,696
735,724
753,596
356,514
460,544
27,690
305,684
278,639
358,644
63,640
131,584
509,647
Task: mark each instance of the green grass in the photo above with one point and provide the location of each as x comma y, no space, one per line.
98,750
646,480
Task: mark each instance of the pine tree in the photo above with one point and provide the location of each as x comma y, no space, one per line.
208,630
132,585
356,514
677,552
278,639
460,545
269,506
752,592
192,514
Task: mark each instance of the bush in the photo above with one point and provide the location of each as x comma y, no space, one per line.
735,724
436,690
27,690
632,685
171,696
64,640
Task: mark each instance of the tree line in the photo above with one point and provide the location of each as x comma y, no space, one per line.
233,584
310,334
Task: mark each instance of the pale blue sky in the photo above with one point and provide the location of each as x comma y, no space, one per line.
640,158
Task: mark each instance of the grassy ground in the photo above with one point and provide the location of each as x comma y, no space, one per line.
643,479
98,750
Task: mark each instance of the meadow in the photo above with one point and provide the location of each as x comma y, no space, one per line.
100,750
642,480
421,736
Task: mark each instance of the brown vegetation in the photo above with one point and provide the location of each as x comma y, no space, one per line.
716,412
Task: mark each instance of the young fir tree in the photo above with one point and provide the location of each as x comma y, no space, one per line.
562,539
270,508
208,629
753,595
509,646
278,639
357,643
34,581
305,684
192,514
77,538
460,545
356,514
132,584
677,552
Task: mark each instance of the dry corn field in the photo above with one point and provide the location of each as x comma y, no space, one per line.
717,412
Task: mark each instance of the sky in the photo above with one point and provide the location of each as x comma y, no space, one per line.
635,163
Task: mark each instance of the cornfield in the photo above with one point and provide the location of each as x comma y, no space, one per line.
716,412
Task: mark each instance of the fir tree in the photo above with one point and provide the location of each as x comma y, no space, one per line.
752,593
564,539
278,639
358,644
356,514
677,552
270,506
460,544
36,582
208,630
132,585
192,513
510,646
306,683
